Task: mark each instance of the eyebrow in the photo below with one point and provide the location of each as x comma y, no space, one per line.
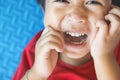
116,2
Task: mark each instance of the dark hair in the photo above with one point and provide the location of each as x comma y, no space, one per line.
42,2
116,2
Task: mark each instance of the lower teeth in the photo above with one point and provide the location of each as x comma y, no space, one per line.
80,42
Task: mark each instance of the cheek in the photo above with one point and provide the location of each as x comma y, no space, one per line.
93,19
53,19
50,20
93,27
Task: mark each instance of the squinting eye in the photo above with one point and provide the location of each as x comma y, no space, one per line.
63,1
93,2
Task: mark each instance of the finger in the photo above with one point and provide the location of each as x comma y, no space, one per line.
54,46
115,10
51,33
46,30
103,28
114,23
45,51
51,38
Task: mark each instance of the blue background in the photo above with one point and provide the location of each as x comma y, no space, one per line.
20,20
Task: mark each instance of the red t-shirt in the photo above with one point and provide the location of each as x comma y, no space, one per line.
62,70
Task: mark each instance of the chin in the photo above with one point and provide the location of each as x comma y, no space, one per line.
76,54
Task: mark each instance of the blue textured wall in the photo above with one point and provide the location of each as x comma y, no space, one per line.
20,20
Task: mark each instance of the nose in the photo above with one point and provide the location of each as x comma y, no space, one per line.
76,15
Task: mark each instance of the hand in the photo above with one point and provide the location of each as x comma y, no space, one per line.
108,35
46,51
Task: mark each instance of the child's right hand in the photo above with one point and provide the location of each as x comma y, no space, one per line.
46,51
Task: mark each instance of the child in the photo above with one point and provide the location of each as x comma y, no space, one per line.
80,42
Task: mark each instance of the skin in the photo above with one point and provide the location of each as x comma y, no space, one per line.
79,16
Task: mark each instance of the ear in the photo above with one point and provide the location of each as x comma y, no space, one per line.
116,2
42,3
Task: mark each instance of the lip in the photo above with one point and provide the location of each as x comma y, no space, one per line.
76,39
75,46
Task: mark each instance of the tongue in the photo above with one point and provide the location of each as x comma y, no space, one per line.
74,39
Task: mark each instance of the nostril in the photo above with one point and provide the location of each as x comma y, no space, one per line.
81,21
76,19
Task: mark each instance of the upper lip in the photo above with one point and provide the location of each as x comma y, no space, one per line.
75,37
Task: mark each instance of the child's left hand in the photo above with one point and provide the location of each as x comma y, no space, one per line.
108,35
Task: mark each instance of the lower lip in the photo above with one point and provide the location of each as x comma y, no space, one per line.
75,46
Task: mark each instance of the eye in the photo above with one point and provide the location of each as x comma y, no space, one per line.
91,2
62,1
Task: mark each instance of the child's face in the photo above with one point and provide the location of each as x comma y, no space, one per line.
76,19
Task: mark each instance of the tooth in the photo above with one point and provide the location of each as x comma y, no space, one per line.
83,34
75,34
80,34
82,41
71,34
67,32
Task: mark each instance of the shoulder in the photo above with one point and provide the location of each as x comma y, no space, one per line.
31,46
29,51
32,43
27,58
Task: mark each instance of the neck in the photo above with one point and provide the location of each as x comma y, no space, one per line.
75,62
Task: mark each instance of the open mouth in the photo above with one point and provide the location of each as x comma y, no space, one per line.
75,38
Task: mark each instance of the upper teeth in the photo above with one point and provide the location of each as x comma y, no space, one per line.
75,34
